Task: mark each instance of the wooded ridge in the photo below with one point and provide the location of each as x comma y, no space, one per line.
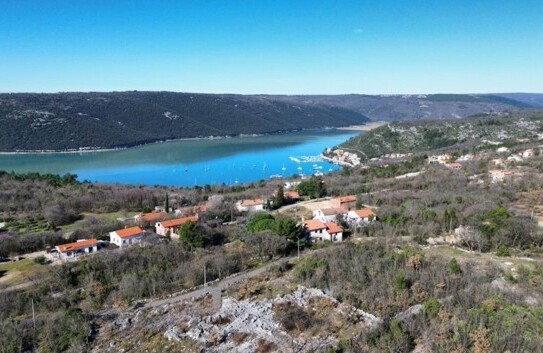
65,121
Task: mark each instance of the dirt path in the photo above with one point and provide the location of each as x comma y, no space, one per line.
215,288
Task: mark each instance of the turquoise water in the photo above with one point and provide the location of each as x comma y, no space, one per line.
192,162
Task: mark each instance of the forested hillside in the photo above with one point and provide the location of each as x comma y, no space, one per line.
420,106
419,136
104,120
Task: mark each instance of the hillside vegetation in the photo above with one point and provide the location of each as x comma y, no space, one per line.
65,121
422,106
420,136
118,119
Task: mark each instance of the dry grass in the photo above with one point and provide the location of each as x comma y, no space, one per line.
264,346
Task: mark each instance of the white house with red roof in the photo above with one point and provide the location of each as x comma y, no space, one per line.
361,216
329,214
251,205
127,236
171,227
75,249
320,231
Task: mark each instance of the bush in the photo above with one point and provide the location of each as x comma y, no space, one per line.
454,267
401,282
41,260
503,251
431,307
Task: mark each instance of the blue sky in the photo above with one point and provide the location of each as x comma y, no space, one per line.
257,46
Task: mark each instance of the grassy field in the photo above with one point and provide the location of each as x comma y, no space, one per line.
15,273
101,217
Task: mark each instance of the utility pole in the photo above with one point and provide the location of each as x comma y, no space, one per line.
33,315
205,281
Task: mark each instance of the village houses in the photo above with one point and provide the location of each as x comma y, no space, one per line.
465,158
252,205
499,175
127,236
318,231
199,209
171,227
345,202
329,214
144,219
441,158
75,249
361,216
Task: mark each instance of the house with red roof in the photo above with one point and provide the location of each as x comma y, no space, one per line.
319,231
361,216
150,218
171,226
75,249
185,211
329,214
347,202
127,236
251,205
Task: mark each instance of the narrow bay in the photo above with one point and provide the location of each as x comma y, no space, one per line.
193,162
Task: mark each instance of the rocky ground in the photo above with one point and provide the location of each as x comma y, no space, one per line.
261,315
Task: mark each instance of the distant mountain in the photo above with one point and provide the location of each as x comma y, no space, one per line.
65,121
104,120
533,99
411,107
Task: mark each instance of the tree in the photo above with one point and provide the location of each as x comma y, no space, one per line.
288,228
279,199
190,235
260,221
167,204
313,187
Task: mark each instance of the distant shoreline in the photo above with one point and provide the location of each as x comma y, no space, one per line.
369,126
366,127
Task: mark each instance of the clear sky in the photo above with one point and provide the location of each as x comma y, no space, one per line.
275,46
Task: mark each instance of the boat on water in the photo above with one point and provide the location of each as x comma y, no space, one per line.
318,173
294,159
284,168
276,176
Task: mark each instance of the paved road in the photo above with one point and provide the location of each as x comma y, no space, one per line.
215,288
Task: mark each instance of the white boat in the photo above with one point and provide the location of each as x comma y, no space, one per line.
319,173
294,159
276,176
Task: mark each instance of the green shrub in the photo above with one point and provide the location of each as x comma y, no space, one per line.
503,250
431,307
454,267
41,260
